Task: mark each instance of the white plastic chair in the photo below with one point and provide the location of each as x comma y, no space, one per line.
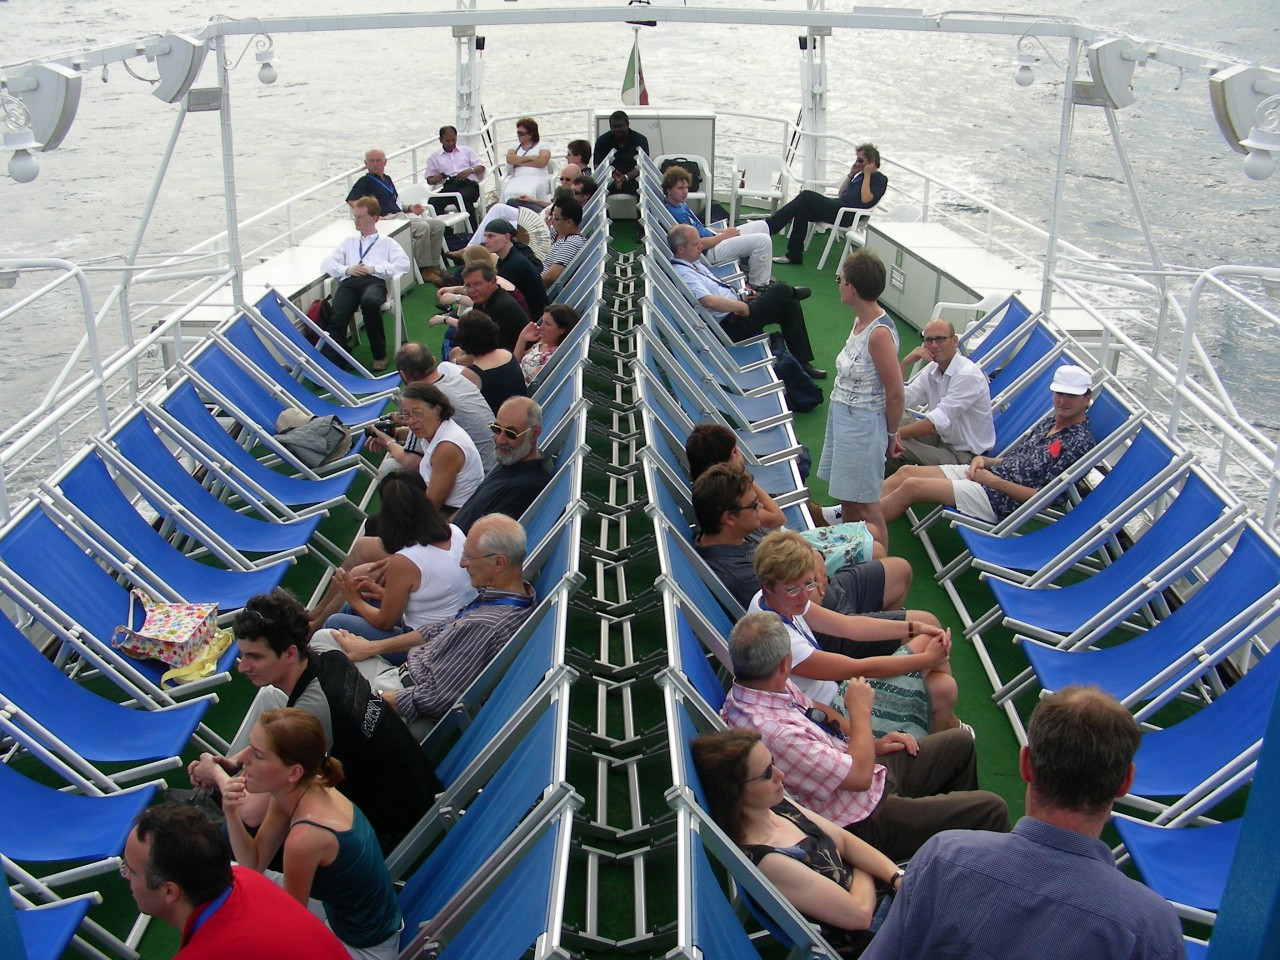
703,196
454,216
760,177
856,232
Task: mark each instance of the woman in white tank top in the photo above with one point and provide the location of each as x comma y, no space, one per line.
451,465
420,582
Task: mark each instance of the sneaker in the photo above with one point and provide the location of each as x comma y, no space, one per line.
794,261
968,729
378,365
833,514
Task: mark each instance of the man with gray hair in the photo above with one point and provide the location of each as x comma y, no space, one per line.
521,473
444,659
970,894
894,792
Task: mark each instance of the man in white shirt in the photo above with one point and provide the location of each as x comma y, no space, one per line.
455,169
956,399
363,264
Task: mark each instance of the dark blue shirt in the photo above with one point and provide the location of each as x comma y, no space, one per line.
852,196
381,189
1039,891
1038,458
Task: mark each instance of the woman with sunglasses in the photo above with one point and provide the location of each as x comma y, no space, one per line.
526,165
420,580
828,874
907,660
490,367
539,340
330,852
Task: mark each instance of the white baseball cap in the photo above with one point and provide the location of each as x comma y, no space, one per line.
1071,379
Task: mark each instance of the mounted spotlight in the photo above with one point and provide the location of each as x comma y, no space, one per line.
1247,98
51,94
18,138
178,58
1111,64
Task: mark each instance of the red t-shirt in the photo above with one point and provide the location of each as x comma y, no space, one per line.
257,921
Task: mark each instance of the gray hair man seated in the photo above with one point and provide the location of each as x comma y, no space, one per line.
1050,888
894,792
443,661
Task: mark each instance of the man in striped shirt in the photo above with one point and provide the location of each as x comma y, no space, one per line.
443,660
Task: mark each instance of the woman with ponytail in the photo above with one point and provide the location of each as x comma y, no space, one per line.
330,852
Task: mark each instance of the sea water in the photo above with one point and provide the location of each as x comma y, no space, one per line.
946,103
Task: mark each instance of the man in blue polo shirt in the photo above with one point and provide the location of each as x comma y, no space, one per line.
861,188
749,241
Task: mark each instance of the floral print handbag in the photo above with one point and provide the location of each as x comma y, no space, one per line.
183,635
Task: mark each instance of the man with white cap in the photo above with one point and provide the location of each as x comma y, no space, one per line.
990,488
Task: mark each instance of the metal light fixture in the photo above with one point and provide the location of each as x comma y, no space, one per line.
1023,76
1247,98
1026,59
264,52
266,72
19,138
1263,142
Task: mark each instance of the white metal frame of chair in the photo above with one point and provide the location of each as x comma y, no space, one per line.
752,176
308,324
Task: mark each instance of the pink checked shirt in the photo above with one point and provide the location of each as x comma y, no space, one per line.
813,761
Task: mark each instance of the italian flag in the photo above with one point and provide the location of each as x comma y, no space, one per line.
633,88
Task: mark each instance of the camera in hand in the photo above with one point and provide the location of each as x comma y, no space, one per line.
385,425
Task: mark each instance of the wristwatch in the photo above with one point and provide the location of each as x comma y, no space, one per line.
895,881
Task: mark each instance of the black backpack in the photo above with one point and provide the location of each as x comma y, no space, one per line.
695,171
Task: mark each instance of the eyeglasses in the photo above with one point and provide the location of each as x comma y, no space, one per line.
766,776
521,132
753,505
566,179
124,870
930,341
468,558
801,589
578,193
254,617
509,432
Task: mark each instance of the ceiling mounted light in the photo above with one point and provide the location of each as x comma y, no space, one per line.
18,137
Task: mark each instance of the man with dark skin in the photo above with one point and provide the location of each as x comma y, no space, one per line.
625,174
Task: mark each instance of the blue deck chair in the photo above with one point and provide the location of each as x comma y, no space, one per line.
524,905
177,495
274,316
1188,866
42,932
64,715
87,492
753,414
768,444
699,362
567,357
989,338
1210,754
1195,524
1039,348
1147,469
1229,609
522,780
256,363
184,417
62,586
700,603
39,824
689,657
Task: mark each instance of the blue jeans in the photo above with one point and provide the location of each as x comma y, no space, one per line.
345,619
